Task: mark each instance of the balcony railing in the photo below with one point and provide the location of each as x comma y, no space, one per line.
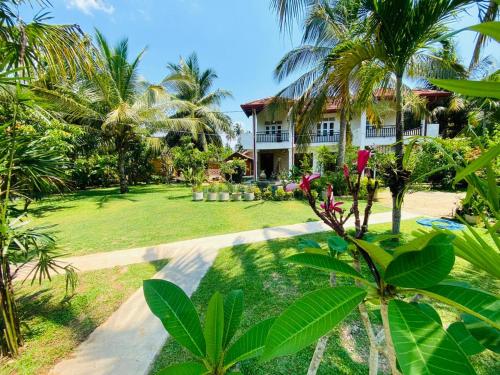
276,137
330,137
389,131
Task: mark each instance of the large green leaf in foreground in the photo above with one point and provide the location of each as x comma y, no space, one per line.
250,344
233,309
476,302
480,89
309,318
422,346
177,313
423,268
188,368
214,327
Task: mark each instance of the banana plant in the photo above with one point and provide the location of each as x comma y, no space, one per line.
213,346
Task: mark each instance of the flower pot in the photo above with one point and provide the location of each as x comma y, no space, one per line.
197,195
224,196
236,197
248,196
211,197
472,219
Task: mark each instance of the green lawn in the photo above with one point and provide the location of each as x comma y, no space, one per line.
103,220
53,326
270,285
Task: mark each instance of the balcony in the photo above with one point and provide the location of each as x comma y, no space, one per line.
330,137
273,137
389,131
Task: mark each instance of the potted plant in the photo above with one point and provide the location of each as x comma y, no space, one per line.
470,210
197,181
235,193
212,192
223,193
249,194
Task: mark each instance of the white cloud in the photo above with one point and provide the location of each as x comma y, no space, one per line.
87,6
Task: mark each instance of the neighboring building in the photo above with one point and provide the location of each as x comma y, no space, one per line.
247,157
273,140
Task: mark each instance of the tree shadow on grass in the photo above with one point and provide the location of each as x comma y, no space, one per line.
102,201
43,210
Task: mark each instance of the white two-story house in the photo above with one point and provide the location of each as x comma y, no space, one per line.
272,143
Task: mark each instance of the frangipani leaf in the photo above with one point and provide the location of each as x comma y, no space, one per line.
464,338
422,345
326,263
491,29
378,254
314,250
486,335
250,344
421,269
214,327
480,89
422,240
188,368
305,242
337,244
429,311
233,309
472,301
309,318
177,313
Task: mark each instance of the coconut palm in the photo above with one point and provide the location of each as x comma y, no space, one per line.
191,84
114,100
329,28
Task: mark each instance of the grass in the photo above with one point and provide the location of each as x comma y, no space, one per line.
270,284
54,326
103,220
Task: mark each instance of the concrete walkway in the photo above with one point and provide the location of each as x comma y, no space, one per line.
128,342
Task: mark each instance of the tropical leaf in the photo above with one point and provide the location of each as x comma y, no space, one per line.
421,240
326,263
491,29
188,368
421,269
472,301
378,254
309,318
337,244
471,246
464,338
486,335
233,309
480,89
250,344
429,311
479,163
422,345
177,313
214,327
314,250
304,242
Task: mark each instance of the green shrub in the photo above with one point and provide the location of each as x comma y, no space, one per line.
257,193
267,194
280,194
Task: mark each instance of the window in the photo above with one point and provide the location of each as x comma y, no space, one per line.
326,127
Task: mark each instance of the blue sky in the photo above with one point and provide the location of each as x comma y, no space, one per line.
240,39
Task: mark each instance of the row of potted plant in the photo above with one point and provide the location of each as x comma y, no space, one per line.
224,192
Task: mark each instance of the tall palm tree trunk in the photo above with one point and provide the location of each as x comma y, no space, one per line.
398,183
121,171
342,139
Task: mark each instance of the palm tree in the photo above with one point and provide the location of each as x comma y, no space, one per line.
329,27
29,50
113,100
191,84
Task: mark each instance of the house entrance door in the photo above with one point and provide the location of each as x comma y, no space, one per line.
267,164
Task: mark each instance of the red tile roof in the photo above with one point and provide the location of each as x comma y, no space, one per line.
333,106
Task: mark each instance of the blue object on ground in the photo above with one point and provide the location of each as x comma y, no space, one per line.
441,224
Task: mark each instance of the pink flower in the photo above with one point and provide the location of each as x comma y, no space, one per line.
305,185
291,186
346,171
330,205
363,156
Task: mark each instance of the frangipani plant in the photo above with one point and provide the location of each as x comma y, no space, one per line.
415,340
216,352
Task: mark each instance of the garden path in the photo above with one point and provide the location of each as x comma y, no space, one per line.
129,340
429,203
